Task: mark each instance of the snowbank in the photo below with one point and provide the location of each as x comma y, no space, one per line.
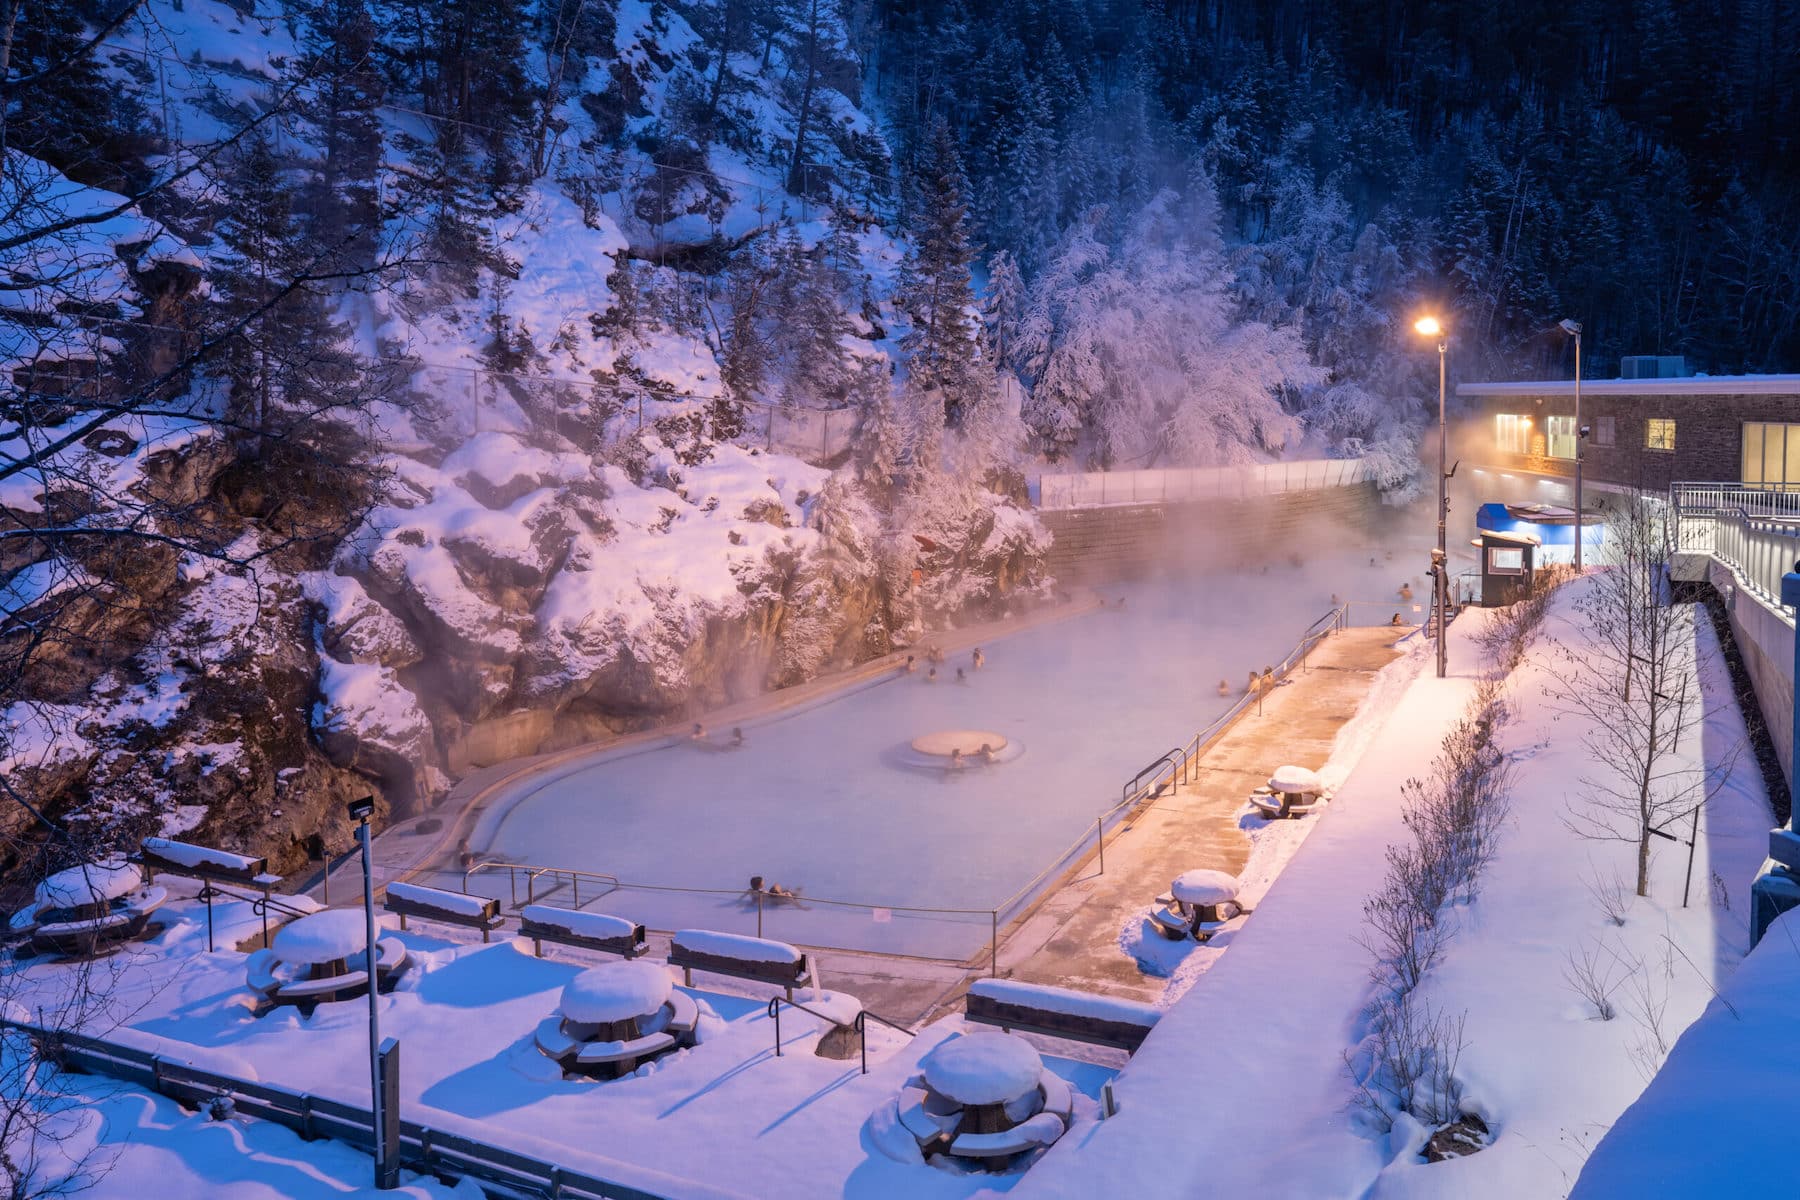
1718,1118
983,1068
616,991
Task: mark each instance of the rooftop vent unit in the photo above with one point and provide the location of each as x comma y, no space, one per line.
1653,366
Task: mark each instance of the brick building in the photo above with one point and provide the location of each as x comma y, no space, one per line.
1643,433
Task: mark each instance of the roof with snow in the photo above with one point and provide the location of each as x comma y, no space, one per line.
1687,385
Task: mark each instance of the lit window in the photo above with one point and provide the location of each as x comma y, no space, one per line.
1562,437
1659,433
1604,433
1771,454
1512,433
1505,561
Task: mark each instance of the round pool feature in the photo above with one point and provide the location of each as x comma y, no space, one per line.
952,750
944,744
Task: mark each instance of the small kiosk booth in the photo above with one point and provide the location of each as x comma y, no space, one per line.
1508,562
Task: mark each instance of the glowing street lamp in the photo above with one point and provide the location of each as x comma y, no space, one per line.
1431,327
1573,329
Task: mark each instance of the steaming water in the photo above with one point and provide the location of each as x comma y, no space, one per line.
817,801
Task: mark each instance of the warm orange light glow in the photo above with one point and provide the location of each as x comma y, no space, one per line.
1428,326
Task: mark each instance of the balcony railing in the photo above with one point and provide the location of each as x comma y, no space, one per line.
1755,530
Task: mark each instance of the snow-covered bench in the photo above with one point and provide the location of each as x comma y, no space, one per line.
1041,1130
452,908
204,863
1060,1012
739,956
585,930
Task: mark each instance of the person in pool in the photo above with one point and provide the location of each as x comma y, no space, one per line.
987,753
772,889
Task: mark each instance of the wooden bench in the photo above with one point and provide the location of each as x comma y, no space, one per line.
740,957
1041,1130
1060,1012
584,930
451,908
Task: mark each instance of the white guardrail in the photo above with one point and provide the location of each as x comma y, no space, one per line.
1755,531
1097,489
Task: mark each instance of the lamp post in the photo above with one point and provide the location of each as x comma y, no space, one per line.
1431,327
386,1173
1573,329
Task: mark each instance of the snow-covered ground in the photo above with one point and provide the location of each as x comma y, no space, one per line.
1240,1090
721,1119
819,798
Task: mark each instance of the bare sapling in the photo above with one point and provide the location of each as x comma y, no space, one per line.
1631,680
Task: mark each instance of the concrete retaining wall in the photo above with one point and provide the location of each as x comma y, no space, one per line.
1104,545
1766,641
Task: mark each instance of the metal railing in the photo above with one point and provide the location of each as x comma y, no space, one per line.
1753,530
860,1025
422,1148
1097,489
599,883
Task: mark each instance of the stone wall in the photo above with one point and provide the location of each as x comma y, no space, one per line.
1119,542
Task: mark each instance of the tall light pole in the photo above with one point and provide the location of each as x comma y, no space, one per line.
387,1174
1573,329
1440,569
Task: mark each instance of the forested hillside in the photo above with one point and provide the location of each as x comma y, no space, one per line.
391,387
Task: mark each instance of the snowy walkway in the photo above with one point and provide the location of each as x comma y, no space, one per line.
1242,1091
1073,938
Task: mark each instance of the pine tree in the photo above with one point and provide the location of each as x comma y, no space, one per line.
342,202
285,356
936,291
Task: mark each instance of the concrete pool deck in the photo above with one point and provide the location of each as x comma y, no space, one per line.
1071,938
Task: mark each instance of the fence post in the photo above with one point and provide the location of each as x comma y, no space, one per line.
1100,841
994,943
